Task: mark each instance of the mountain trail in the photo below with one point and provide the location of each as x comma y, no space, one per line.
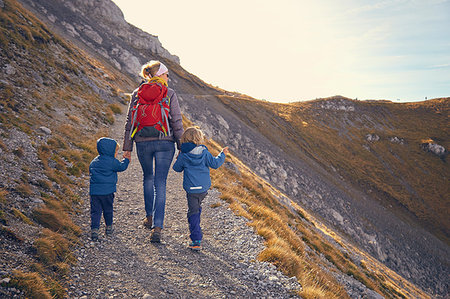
128,265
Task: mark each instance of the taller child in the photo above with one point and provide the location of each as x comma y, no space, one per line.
195,160
155,154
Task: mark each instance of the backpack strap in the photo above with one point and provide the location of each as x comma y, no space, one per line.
165,115
134,113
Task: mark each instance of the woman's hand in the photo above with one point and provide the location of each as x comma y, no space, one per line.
225,150
127,155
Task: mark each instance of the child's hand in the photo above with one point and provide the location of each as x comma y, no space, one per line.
225,150
127,155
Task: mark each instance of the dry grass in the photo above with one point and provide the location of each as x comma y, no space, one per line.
3,146
115,109
287,236
74,119
55,220
53,250
335,140
22,217
70,147
252,198
9,234
31,283
3,194
24,189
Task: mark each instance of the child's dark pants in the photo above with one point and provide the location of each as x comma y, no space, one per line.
193,215
99,204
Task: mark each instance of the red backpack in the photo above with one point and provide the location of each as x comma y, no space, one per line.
150,114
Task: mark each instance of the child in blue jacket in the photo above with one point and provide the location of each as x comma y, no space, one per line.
195,160
103,171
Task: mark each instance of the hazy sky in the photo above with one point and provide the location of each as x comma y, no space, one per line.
291,50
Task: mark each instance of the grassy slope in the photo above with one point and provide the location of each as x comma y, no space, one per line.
52,87
402,176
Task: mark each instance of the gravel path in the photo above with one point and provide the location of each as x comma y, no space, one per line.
127,265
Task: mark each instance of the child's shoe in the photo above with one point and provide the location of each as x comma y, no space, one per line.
109,230
94,235
196,245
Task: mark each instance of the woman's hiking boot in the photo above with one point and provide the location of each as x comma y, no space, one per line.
156,235
148,222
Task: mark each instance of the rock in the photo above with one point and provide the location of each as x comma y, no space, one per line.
372,137
2,5
232,167
146,296
434,148
5,280
112,273
10,70
46,130
397,140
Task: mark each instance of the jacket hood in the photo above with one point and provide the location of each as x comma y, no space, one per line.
106,146
195,155
187,147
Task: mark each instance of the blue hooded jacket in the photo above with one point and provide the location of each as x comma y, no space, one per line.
195,161
103,169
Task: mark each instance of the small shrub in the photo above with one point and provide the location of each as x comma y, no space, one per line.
313,292
9,234
24,189
2,217
109,118
52,249
115,109
3,146
75,119
21,216
31,283
55,220
239,210
45,184
19,152
3,193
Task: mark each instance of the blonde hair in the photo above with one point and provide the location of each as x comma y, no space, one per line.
193,134
149,69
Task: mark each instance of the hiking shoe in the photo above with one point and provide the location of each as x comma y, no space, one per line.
156,235
94,235
196,245
148,222
109,230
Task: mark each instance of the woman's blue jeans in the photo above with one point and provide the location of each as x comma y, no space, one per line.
160,151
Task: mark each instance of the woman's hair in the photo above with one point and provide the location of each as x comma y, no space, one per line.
149,69
192,134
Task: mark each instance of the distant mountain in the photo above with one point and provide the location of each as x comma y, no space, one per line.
374,171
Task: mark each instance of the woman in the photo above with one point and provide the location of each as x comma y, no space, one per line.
158,150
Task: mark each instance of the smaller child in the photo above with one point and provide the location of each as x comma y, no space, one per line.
103,171
195,160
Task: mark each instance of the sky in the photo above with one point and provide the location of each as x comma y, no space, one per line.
296,50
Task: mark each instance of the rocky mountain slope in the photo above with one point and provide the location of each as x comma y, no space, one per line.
291,146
